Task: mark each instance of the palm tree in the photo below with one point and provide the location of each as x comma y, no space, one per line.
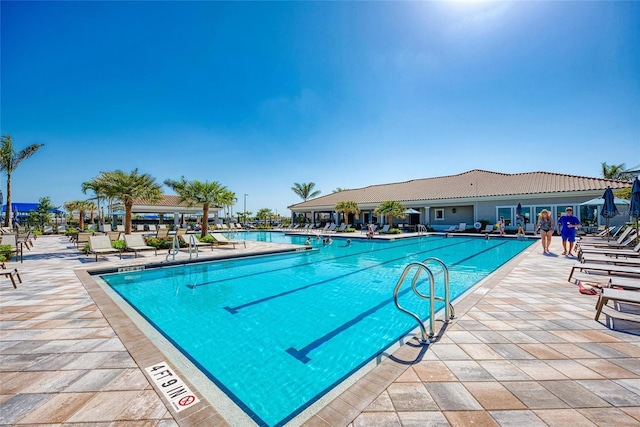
127,187
305,191
348,207
339,189
199,193
264,213
95,186
82,206
9,161
613,171
392,209
227,199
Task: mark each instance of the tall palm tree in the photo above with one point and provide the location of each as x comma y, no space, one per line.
392,209
347,207
199,193
227,199
127,187
95,186
264,213
82,206
613,171
305,190
9,161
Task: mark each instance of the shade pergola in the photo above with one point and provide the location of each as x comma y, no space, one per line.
168,205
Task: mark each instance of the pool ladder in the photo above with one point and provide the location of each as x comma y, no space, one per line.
421,229
174,249
449,312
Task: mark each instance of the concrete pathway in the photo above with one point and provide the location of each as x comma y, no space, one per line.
523,350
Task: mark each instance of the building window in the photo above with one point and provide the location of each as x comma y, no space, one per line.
438,214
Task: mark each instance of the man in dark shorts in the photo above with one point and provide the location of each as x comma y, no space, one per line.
567,225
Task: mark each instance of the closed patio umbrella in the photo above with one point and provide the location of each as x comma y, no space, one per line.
634,208
609,209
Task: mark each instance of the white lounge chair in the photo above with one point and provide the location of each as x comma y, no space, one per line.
462,227
135,243
451,229
221,239
618,269
193,240
100,245
488,228
385,229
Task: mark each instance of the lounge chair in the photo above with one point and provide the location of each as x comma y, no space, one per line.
342,227
384,229
47,229
193,240
221,239
135,243
612,294
16,246
451,229
609,268
488,228
140,227
113,235
162,233
10,274
106,227
152,227
120,227
100,245
461,228
629,253
603,243
82,238
604,259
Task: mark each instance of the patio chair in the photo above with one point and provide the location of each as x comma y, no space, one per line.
461,228
451,229
120,227
82,238
152,227
489,228
10,274
135,243
113,235
599,241
221,239
16,245
603,259
619,295
162,233
609,268
385,229
628,253
100,245
140,227
193,240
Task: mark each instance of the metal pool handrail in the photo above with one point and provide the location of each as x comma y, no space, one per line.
449,310
420,228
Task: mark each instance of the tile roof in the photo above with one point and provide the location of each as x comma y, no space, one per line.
471,184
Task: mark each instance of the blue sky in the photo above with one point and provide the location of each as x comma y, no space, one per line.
260,95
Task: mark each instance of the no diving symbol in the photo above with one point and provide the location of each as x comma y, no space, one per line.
186,401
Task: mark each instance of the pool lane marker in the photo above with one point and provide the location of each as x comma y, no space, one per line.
236,309
171,386
301,355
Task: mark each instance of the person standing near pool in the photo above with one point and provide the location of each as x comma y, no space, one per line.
545,227
567,225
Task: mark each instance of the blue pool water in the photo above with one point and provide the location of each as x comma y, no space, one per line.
277,332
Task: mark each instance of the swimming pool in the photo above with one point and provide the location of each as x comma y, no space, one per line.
276,333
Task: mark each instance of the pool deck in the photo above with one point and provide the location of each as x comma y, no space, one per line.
523,350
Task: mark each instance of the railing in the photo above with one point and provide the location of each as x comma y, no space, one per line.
421,229
175,248
425,338
193,247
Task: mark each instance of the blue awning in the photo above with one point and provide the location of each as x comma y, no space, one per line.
28,207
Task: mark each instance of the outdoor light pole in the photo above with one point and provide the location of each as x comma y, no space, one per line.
245,207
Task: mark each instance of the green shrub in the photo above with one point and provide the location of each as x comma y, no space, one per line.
71,231
349,230
394,231
208,239
119,245
164,243
85,249
5,253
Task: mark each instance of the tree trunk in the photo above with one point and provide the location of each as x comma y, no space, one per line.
81,221
127,217
205,220
8,212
